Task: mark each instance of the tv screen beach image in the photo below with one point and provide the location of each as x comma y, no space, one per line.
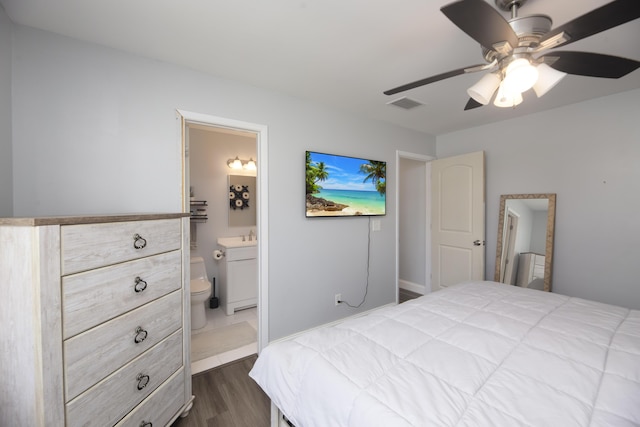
344,186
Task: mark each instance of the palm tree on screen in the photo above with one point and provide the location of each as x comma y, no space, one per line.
316,172
377,173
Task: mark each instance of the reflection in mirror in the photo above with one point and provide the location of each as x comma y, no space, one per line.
242,201
524,252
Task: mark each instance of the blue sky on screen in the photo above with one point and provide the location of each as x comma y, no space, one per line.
344,172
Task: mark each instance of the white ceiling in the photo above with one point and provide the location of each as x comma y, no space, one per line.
341,53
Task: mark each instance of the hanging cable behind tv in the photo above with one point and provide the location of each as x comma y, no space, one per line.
366,288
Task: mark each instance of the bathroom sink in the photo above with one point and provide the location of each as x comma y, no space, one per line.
236,242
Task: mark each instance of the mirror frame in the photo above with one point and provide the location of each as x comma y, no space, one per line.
551,215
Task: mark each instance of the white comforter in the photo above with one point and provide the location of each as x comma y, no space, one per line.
477,354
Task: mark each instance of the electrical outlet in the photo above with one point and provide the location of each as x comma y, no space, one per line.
338,298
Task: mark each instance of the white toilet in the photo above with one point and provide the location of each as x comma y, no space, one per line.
200,292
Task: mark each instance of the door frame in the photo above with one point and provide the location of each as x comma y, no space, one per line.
427,164
262,189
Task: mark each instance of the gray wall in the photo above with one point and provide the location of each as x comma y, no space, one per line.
539,232
107,140
6,169
589,154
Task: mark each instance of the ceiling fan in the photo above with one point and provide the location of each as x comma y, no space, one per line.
517,51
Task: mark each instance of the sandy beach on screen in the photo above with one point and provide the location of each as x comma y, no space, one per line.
344,212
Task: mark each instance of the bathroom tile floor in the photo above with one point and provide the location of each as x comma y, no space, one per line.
216,319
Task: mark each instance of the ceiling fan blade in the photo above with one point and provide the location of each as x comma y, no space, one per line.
603,18
433,79
591,64
481,21
471,104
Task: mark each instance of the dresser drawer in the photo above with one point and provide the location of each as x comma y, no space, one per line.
87,246
160,407
94,354
110,400
93,297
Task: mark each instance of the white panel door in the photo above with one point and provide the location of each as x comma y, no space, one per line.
457,219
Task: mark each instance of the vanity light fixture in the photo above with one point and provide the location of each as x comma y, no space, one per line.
238,163
235,163
250,165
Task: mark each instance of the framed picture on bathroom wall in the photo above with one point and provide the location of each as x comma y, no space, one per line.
242,196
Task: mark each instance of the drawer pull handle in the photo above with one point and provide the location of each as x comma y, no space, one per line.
146,424
143,380
140,285
141,335
139,242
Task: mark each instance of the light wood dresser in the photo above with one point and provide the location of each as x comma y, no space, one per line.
95,320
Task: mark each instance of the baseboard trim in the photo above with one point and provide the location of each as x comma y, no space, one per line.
410,286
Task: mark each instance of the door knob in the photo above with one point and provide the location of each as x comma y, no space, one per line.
478,243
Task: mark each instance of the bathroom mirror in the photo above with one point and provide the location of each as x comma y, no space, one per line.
242,201
524,252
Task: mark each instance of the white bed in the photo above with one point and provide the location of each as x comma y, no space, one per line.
476,354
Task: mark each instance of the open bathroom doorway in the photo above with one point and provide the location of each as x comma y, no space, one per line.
413,224
209,146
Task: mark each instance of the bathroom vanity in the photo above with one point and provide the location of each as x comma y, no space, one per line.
238,273
96,313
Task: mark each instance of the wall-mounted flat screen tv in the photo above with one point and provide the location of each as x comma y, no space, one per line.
339,186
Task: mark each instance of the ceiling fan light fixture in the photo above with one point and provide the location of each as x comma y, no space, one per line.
520,76
484,89
547,79
505,98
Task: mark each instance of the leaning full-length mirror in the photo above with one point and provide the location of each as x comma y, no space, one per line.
524,253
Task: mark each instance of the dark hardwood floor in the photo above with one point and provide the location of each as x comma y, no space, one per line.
227,397
406,295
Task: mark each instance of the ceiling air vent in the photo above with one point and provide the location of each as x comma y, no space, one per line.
406,103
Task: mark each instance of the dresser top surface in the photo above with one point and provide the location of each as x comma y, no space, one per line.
88,219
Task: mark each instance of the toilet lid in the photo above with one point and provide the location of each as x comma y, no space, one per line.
200,285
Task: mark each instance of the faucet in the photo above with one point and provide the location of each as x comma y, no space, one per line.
251,235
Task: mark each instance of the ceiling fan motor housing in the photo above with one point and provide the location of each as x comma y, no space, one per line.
508,5
529,30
